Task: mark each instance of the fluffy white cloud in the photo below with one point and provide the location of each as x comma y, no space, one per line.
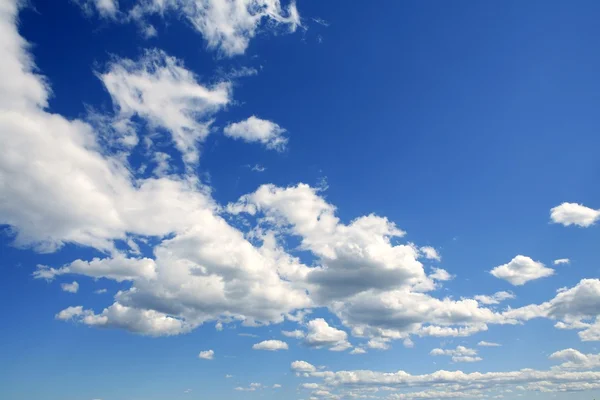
430,253
160,90
259,130
271,345
521,270
562,261
70,287
320,334
358,350
459,354
226,25
496,298
302,366
574,359
207,354
488,344
574,214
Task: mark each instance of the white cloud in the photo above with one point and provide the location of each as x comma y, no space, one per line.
574,214
70,287
271,345
320,334
226,25
440,274
160,90
430,253
574,308
228,376
69,313
459,354
296,334
259,130
302,366
488,344
118,268
100,291
105,8
521,270
358,350
451,384
206,355
276,386
496,298
574,359
562,261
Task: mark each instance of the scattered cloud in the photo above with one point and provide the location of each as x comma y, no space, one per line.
496,298
297,334
430,253
320,334
521,270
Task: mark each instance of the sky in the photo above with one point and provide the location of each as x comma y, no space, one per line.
260,199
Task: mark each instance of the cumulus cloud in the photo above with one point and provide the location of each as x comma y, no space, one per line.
225,25
259,130
206,355
562,261
574,214
459,354
271,345
521,270
118,268
448,384
302,366
70,287
573,359
320,334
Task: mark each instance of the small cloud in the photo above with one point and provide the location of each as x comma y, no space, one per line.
488,344
207,355
430,253
100,291
358,350
562,261
70,287
276,386
271,345
574,214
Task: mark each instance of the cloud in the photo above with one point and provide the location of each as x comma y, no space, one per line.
259,130
460,354
226,25
562,261
449,384
297,334
270,345
358,350
574,214
70,287
573,359
251,388
118,268
574,308
521,270
320,334
206,355
160,90
100,291
276,386
105,8
302,366
496,298
430,253
488,344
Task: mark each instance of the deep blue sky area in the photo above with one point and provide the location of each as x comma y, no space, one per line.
463,122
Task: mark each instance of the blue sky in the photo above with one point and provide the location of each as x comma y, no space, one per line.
238,199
